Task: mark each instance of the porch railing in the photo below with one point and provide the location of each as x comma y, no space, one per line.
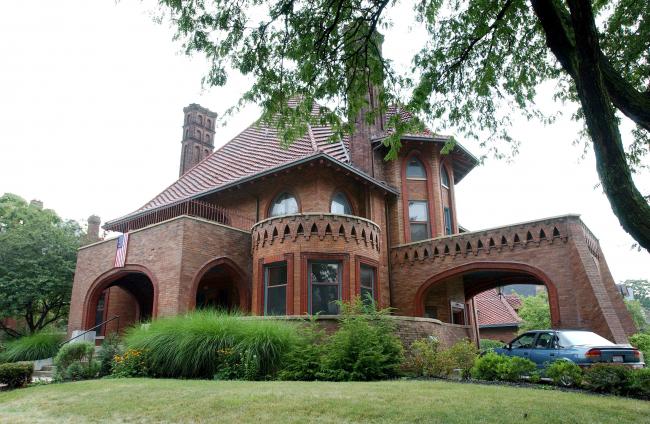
195,208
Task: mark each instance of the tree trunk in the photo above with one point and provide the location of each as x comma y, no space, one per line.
583,64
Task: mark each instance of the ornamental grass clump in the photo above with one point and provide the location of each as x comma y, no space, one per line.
195,345
33,347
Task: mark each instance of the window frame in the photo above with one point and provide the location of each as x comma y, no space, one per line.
338,284
305,258
266,269
446,220
411,222
347,199
406,168
279,194
443,171
371,263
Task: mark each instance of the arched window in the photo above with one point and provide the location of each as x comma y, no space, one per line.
198,134
207,137
284,204
197,154
187,118
201,119
415,169
209,125
340,204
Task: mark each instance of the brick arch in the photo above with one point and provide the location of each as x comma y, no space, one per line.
235,271
524,269
105,280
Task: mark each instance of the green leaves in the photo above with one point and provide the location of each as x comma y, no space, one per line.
38,254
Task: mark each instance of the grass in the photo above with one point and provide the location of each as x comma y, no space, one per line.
30,348
149,400
189,345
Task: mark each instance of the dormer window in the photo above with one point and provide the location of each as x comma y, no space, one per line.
284,204
340,204
415,170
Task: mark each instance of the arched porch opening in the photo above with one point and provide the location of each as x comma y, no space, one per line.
129,295
451,296
220,284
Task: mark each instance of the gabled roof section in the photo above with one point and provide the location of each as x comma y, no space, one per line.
463,162
494,310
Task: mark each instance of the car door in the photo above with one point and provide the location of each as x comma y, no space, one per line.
522,345
545,349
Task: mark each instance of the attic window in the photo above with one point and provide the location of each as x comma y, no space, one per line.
284,204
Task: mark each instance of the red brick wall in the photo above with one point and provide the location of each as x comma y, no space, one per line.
172,252
585,294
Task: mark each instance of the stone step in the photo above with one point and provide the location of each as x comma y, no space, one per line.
42,373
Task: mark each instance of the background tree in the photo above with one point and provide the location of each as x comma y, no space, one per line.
38,252
637,313
535,312
483,59
641,291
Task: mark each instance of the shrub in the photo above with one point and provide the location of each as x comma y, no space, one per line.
189,346
486,367
460,356
132,363
488,345
638,383
422,357
75,362
515,368
365,346
17,374
641,341
564,373
30,348
303,361
107,352
607,378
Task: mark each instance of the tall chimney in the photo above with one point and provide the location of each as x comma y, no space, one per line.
93,229
198,136
366,130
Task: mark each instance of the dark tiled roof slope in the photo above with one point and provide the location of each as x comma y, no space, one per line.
494,309
253,151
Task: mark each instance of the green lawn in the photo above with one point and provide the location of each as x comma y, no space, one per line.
145,400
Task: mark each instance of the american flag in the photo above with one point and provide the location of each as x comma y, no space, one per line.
120,253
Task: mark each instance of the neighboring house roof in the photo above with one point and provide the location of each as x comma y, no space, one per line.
253,153
514,301
494,310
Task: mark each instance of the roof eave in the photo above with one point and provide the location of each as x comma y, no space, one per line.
235,183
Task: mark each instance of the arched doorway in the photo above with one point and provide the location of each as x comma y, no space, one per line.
129,294
448,296
221,284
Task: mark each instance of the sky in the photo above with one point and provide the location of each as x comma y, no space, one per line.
91,99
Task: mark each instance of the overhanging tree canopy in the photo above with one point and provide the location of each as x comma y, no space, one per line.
483,58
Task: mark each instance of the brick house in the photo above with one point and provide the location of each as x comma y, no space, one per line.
274,231
496,315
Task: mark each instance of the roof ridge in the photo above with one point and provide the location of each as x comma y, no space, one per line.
311,138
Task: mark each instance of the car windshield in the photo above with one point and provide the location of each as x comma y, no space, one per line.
582,338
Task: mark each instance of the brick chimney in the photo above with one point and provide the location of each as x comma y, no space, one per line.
198,136
93,229
364,131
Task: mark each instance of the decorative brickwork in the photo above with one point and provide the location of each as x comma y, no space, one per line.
206,238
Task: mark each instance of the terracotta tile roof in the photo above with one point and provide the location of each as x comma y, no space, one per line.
463,161
514,301
253,151
494,310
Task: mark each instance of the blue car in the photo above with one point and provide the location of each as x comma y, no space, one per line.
583,348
